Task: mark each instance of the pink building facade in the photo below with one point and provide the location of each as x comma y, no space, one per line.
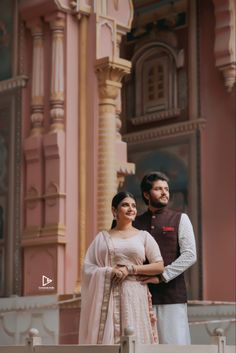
93,94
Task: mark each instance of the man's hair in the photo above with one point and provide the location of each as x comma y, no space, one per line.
147,182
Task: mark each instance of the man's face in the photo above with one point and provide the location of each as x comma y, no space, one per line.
159,195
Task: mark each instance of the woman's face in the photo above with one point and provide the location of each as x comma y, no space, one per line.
126,210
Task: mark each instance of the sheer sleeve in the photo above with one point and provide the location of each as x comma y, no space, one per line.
152,250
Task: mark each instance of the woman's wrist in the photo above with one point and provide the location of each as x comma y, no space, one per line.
132,269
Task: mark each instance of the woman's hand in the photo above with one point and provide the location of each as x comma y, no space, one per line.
119,273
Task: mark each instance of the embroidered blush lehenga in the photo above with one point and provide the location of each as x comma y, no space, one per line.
106,309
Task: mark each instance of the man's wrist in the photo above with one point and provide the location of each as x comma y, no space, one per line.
161,278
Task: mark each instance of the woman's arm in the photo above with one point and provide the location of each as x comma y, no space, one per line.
150,269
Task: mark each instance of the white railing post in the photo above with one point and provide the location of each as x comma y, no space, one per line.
128,341
219,339
33,339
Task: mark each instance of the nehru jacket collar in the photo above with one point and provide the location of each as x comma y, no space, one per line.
157,211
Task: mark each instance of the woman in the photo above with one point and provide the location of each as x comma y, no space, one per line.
112,296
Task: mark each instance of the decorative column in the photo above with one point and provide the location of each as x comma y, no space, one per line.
109,75
37,101
54,141
82,133
34,175
57,24
33,144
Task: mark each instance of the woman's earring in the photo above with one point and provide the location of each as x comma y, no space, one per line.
114,216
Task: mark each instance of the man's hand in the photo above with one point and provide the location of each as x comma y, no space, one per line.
149,279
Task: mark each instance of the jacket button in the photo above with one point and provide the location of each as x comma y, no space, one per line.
152,227
153,216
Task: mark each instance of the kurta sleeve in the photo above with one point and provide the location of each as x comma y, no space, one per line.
187,247
152,249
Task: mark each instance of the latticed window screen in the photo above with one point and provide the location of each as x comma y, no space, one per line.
155,83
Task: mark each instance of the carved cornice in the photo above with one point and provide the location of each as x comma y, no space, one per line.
156,116
172,130
13,83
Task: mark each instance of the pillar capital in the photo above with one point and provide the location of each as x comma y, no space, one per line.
112,70
110,74
56,20
36,26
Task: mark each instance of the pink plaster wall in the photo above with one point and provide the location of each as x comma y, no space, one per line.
92,133
122,13
39,261
218,169
106,39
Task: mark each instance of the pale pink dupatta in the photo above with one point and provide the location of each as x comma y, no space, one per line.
96,318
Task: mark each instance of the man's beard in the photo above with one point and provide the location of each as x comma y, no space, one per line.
157,204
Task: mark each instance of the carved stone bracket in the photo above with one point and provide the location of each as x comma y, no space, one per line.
225,40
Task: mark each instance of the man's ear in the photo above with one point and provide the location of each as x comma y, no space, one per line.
146,195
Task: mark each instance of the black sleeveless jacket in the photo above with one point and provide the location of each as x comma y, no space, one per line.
163,225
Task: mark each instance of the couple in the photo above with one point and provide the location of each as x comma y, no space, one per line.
114,290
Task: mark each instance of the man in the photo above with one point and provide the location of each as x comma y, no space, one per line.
173,232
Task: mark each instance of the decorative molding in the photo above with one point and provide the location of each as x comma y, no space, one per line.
31,231
80,8
33,197
13,83
125,168
52,194
225,40
180,129
156,116
54,229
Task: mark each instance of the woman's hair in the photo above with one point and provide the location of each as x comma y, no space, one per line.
120,196
146,183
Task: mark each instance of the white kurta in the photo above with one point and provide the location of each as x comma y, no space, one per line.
173,324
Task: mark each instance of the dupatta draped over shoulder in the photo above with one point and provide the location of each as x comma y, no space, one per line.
96,317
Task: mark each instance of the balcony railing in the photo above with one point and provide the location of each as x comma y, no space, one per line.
128,345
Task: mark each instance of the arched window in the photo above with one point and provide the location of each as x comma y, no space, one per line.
156,88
